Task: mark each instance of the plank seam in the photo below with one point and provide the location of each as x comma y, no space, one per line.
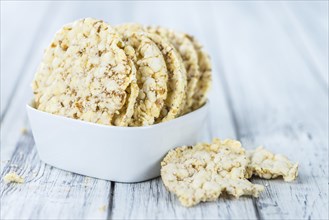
111,199
232,113
11,165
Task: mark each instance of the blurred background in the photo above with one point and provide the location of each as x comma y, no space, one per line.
232,32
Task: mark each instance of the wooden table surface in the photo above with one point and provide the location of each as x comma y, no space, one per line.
270,70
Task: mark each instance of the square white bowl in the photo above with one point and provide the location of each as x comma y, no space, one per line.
123,154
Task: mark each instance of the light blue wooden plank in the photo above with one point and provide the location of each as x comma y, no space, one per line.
306,25
20,28
277,103
50,193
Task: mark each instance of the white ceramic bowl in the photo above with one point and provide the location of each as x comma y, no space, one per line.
123,154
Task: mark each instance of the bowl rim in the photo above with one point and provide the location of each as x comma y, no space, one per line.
183,117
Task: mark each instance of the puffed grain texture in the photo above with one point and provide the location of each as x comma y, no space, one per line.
205,79
84,73
177,80
152,75
267,165
124,117
12,177
186,49
202,172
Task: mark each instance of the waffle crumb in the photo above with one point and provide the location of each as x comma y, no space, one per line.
24,130
12,177
102,208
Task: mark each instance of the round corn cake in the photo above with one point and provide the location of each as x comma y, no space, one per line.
185,47
205,79
84,73
124,116
177,81
152,75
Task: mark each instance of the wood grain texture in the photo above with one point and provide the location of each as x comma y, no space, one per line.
15,50
49,193
282,106
270,87
150,200
310,39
